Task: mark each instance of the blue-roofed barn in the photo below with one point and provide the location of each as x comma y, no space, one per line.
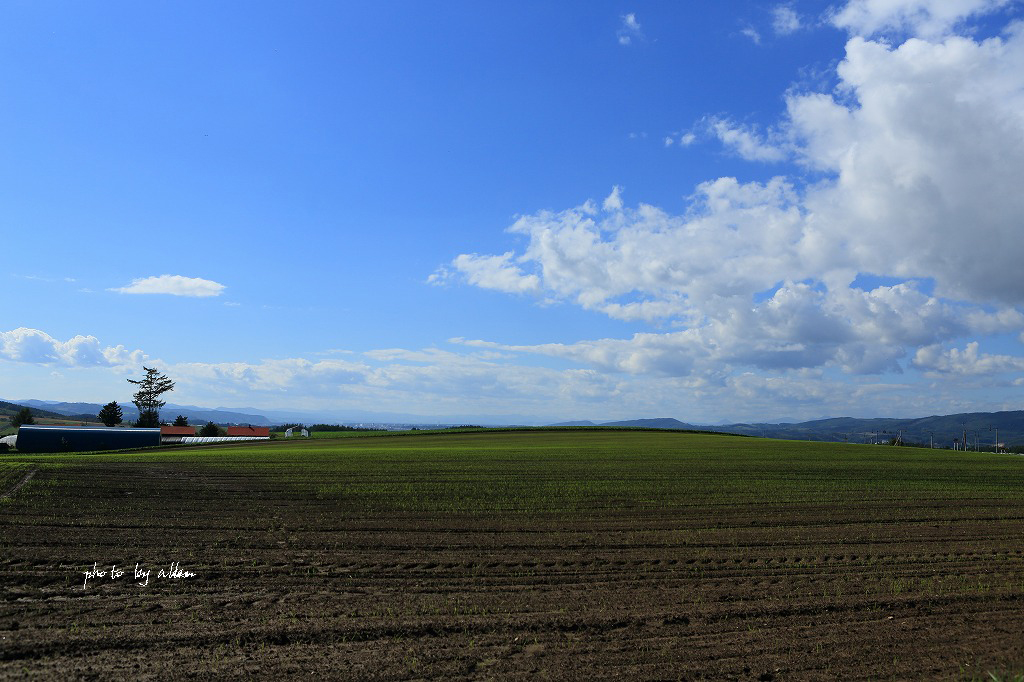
36,438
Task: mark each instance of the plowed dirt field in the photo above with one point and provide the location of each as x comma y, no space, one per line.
533,555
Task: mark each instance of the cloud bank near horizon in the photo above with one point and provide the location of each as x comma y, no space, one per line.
484,377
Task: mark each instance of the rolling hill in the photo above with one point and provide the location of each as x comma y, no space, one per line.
942,430
8,409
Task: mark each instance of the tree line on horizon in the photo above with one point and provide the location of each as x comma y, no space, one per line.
147,399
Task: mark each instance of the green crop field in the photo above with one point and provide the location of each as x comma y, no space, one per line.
575,470
516,554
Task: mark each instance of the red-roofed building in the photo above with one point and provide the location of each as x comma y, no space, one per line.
170,435
251,431
177,430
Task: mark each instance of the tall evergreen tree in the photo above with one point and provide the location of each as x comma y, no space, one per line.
147,398
111,414
181,420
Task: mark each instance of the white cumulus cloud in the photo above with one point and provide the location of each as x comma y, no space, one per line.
923,18
174,285
37,347
496,272
968,361
613,202
914,159
925,143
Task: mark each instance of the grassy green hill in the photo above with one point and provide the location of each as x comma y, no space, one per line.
981,428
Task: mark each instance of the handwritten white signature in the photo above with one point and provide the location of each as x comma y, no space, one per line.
173,572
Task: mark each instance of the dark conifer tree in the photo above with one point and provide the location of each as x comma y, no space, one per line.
24,416
111,414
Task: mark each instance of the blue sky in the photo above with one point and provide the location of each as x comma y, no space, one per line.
546,211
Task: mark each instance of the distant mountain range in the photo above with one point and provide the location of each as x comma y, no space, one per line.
8,409
980,427
196,415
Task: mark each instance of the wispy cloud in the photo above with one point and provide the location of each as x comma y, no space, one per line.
785,20
747,142
173,285
629,30
40,278
679,139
